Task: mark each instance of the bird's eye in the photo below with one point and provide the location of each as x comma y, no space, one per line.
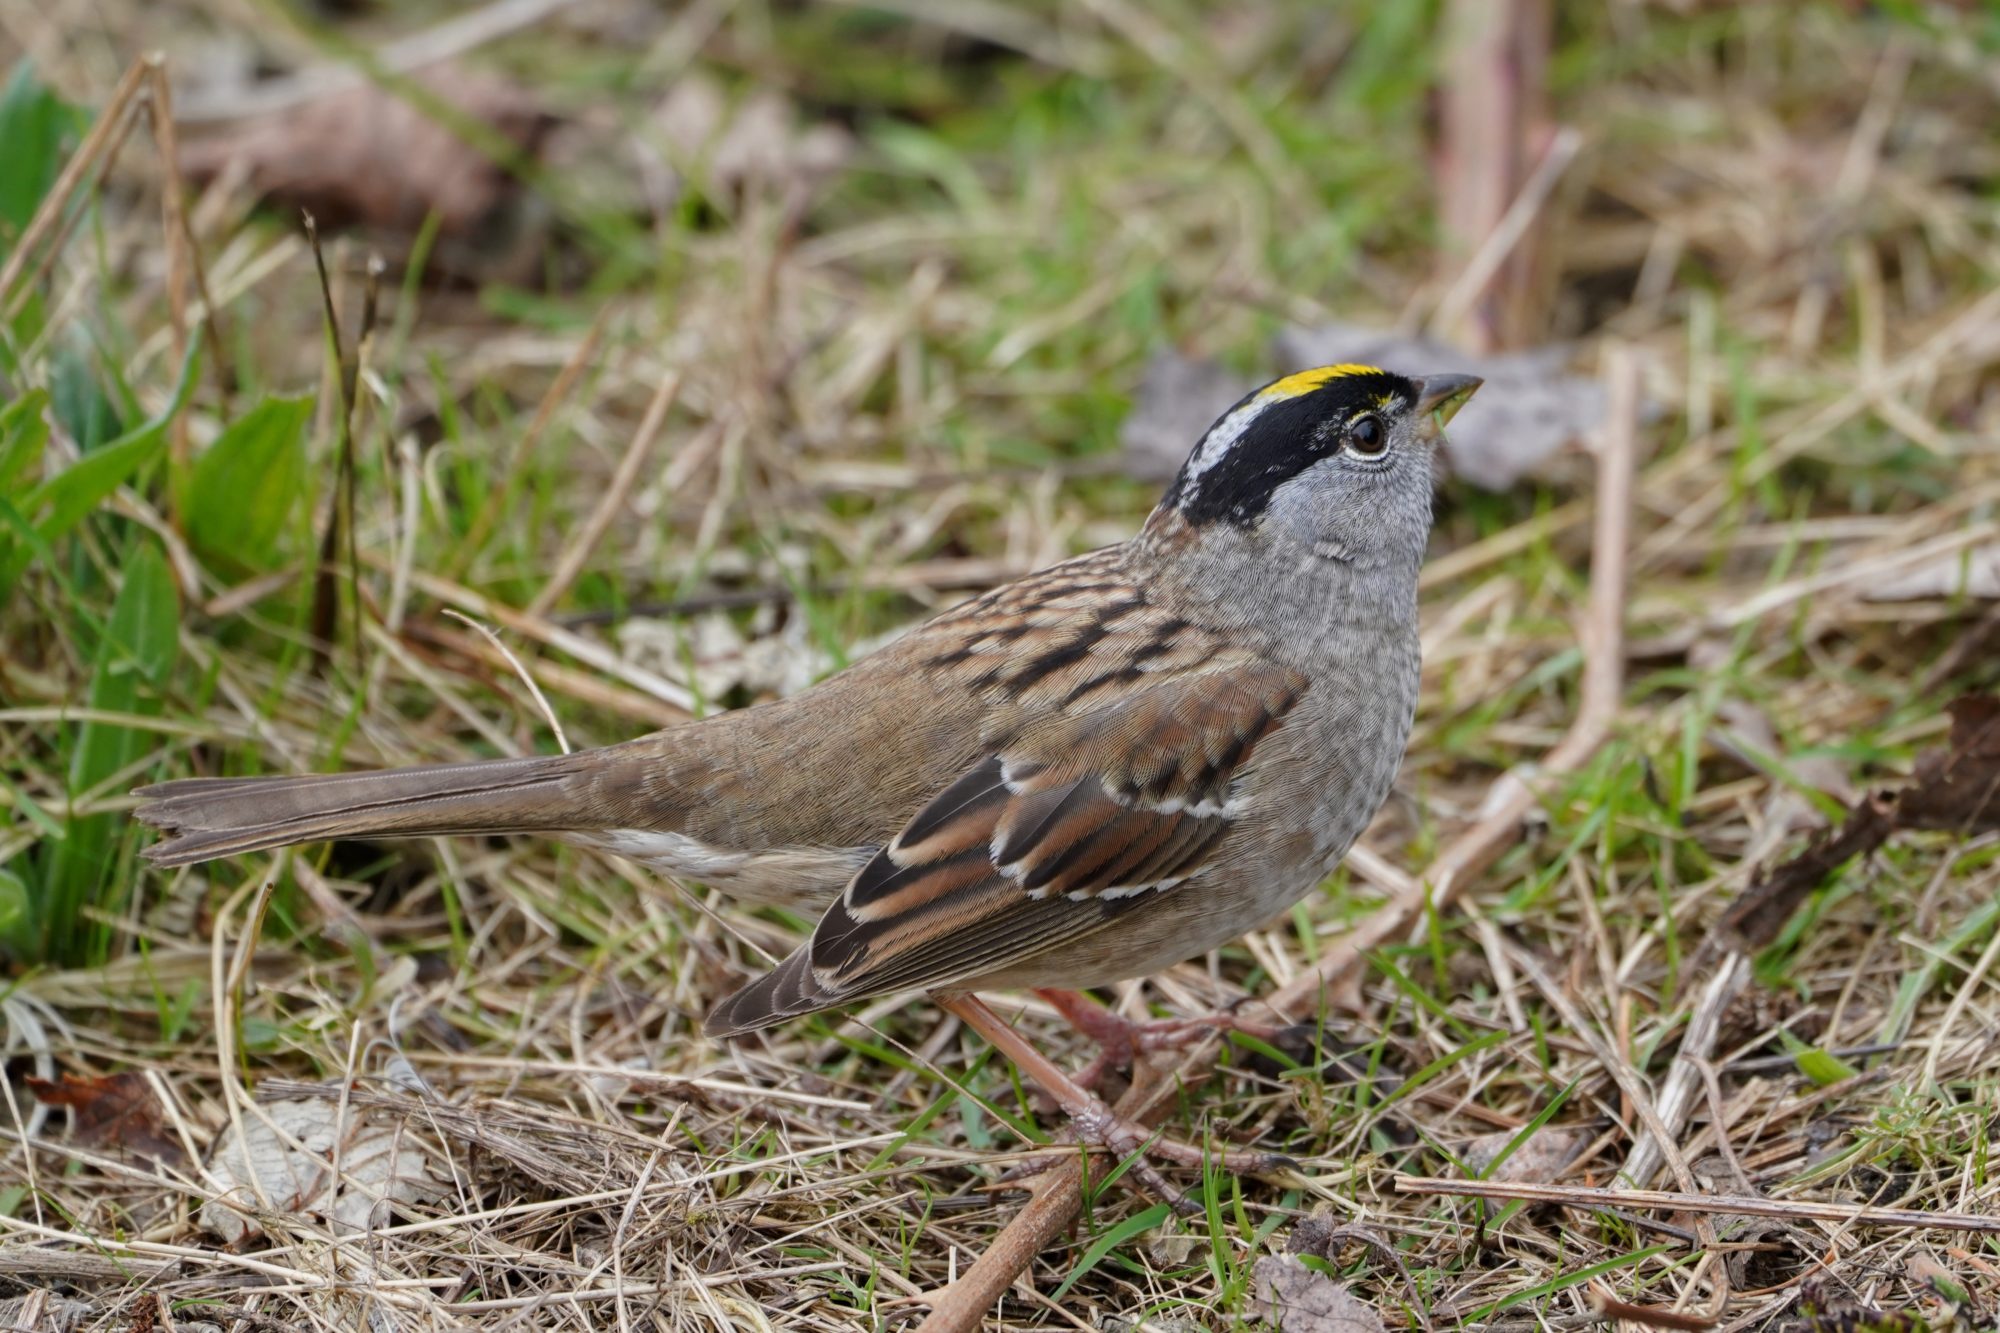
1366,438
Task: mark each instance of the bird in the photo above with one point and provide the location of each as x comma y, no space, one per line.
1088,774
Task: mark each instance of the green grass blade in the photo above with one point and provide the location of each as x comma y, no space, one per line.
1109,1241
245,487
134,659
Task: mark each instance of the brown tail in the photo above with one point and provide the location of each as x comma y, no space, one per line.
210,817
786,991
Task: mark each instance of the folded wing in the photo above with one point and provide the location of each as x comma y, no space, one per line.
1053,834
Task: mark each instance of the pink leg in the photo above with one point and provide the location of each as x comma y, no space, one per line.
1119,1040
1096,1123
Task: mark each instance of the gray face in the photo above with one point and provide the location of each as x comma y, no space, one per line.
1337,461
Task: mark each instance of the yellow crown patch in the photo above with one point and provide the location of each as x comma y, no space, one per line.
1305,381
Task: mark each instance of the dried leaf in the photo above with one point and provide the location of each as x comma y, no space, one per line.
1927,1272
380,1167
114,1112
1299,1299
1956,790
364,155
1542,1158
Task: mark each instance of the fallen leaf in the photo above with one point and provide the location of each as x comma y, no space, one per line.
1540,1159
1928,1273
1299,1299
1529,407
117,1112
365,155
1958,788
382,1166
1954,790
1973,573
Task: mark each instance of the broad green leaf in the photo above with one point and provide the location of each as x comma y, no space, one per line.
38,129
1822,1067
24,434
134,659
16,914
80,400
246,486
61,502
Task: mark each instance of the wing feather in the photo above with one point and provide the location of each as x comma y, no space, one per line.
1054,834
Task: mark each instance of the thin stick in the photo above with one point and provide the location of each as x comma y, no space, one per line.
173,202
1676,1100
1750,1205
160,111
1479,273
325,615
577,554
53,251
521,670
961,1306
108,126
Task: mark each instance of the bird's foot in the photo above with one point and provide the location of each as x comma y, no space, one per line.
1121,1040
1094,1123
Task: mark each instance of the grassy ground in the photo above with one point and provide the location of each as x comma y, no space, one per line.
899,378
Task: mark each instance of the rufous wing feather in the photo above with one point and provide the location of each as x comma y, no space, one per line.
1055,833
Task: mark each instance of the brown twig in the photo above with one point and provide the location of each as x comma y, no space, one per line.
1052,1209
1796,1210
958,1307
102,141
325,615
181,238
173,221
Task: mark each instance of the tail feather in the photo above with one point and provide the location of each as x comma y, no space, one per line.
786,991
206,818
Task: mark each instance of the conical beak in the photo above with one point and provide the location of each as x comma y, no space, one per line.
1439,397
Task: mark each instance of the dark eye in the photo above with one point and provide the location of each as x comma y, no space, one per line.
1366,438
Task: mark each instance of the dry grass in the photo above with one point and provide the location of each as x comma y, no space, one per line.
905,386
